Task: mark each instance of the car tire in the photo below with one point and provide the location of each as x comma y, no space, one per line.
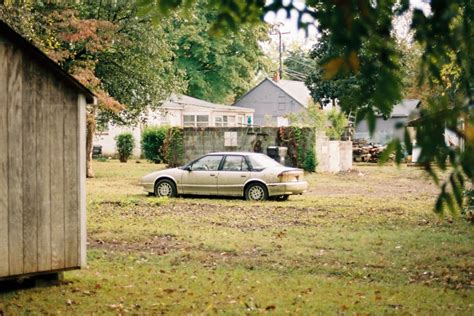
256,192
165,187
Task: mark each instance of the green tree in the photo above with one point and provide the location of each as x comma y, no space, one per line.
123,57
298,64
217,68
349,89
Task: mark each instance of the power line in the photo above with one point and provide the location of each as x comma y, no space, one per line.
298,61
297,73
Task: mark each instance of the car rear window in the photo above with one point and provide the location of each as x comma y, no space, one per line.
261,161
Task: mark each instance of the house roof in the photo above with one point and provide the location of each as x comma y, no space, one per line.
405,108
297,90
43,59
181,101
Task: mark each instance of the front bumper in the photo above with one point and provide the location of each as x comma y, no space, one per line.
287,188
148,187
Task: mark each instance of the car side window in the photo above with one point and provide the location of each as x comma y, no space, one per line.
207,163
235,163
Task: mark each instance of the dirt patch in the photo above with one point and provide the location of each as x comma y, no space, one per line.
373,181
157,245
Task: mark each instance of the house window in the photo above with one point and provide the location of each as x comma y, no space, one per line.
188,120
225,120
240,120
231,121
202,120
195,120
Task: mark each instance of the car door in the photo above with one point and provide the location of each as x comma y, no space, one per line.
201,178
233,175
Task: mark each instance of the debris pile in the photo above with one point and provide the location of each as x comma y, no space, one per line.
366,152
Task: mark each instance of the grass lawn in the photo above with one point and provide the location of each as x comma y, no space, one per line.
366,241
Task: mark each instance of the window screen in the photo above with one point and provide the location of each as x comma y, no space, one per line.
202,120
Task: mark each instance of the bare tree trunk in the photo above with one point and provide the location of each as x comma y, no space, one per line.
91,126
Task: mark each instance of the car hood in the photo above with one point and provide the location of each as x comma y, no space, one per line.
151,177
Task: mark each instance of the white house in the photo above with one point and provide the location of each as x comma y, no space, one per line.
181,111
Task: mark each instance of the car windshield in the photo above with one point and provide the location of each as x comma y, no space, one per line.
261,161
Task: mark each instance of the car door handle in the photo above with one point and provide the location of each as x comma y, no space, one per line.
212,175
243,176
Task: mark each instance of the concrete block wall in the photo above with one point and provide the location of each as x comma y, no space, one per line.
345,148
322,152
200,141
332,156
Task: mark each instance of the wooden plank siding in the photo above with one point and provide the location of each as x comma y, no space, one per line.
82,180
41,180
43,171
15,160
56,134
28,144
4,262
71,181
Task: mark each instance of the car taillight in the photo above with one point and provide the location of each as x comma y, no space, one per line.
291,176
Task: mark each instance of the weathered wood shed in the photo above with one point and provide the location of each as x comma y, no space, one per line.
42,162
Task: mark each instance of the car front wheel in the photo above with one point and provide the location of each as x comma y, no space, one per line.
256,192
165,187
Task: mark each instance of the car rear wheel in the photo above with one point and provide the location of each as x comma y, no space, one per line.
165,187
256,192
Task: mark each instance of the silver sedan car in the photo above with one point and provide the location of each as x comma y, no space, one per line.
254,176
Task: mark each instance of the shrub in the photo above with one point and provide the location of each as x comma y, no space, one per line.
152,143
468,210
125,144
310,163
338,122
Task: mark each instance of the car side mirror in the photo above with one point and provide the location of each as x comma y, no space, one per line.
188,168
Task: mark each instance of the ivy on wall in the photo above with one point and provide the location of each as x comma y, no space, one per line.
300,144
173,147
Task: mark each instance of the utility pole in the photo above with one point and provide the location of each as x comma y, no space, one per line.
276,31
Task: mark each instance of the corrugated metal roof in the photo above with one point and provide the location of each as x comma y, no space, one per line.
179,100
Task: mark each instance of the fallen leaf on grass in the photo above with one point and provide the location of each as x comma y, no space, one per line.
115,306
169,291
270,307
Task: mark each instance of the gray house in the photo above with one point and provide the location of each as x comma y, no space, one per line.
272,100
385,129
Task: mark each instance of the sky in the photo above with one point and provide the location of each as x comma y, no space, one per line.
299,36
